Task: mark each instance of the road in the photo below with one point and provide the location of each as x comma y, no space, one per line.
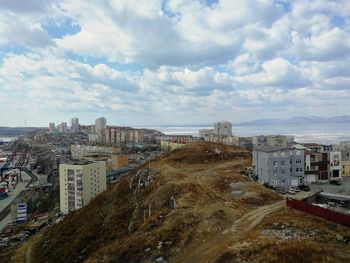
4,203
4,221
231,237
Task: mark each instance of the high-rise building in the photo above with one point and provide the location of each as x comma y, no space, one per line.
100,123
223,128
51,127
79,183
100,128
75,125
62,127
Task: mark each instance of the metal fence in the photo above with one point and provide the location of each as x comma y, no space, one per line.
319,211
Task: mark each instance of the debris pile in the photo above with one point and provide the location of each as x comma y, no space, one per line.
287,231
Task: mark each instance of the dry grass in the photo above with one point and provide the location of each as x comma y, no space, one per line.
115,228
285,251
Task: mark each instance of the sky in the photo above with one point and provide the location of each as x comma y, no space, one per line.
158,62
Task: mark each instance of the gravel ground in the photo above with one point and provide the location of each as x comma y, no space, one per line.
343,189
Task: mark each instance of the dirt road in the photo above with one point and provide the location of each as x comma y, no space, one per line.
229,238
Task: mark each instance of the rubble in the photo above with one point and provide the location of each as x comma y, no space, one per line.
289,232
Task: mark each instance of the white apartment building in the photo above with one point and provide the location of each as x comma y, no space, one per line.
205,132
79,183
100,123
223,128
62,127
52,127
272,140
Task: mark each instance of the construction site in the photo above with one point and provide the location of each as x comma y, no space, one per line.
189,205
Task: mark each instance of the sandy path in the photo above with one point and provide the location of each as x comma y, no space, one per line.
229,238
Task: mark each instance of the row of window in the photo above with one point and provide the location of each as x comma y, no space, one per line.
297,170
283,163
276,154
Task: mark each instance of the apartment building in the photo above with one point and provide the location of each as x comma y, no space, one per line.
222,133
75,127
335,168
79,151
272,140
80,182
279,166
345,161
316,166
183,139
326,160
344,148
205,132
62,128
52,127
223,129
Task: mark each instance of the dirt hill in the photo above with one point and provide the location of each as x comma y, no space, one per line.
192,205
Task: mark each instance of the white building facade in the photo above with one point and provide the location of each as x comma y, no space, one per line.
79,183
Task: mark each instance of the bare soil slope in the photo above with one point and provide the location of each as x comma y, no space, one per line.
220,216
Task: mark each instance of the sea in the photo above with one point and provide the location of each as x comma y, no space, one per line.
321,133
7,138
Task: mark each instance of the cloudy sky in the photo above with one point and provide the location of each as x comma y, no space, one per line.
148,62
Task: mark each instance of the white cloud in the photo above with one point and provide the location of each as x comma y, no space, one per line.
328,45
277,72
249,57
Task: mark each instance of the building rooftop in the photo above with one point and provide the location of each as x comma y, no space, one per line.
308,152
272,148
311,144
79,162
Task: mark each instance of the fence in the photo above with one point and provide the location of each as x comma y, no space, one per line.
319,211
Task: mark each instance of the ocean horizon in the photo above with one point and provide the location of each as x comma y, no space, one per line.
319,133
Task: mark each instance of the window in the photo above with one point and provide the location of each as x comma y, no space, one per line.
283,154
297,152
275,154
299,170
298,161
275,163
283,163
283,172
274,172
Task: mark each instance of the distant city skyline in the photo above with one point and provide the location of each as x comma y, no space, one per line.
163,62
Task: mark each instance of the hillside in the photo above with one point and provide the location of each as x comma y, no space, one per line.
218,216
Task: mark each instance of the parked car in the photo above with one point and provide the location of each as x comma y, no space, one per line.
280,190
304,187
335,182
290,191
295,189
